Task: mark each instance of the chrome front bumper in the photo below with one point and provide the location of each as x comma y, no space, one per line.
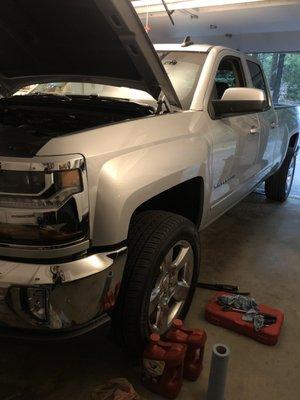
59,297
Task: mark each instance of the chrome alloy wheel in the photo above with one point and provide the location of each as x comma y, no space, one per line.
172,286
290,175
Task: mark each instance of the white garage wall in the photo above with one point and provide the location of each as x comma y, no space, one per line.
253,42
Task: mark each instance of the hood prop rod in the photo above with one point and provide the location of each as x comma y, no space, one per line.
168,12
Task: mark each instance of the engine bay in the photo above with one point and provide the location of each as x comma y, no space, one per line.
28,122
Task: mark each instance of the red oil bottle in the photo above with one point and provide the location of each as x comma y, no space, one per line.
195,341
163,367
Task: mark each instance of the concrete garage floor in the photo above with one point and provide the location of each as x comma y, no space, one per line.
295,192
255,245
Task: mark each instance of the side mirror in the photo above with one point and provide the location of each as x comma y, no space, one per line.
240,100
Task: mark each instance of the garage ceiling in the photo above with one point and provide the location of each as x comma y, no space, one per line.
233,17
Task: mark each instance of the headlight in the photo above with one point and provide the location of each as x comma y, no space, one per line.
48,207
22,182
36,190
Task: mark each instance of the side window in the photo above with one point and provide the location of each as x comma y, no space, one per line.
229,74
257,77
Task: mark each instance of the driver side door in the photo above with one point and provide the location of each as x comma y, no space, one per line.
235,142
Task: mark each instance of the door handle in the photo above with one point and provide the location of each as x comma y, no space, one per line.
273,125
254,131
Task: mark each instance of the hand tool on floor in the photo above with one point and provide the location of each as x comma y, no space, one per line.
222,287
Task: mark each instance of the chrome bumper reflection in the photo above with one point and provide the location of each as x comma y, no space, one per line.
59,296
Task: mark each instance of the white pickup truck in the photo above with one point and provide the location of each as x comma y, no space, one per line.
114,162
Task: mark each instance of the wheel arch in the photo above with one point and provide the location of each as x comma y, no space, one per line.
185,199
294,140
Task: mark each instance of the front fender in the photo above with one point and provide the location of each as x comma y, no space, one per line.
127,181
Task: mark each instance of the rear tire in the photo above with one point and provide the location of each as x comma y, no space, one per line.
278,186
157,241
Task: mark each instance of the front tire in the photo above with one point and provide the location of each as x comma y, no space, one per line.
160,276
279,185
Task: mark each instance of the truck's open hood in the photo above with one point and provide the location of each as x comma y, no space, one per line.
78,40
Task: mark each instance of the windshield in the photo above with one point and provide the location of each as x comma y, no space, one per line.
182,67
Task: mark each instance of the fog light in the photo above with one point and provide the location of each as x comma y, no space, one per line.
37,301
